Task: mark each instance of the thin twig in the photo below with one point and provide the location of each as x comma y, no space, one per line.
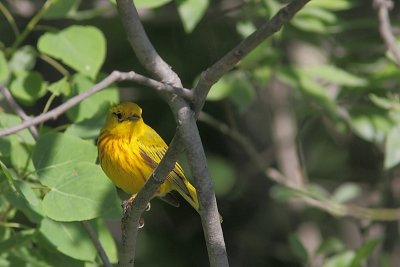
93,236
115,76
20,112
10,19
222,66
385,28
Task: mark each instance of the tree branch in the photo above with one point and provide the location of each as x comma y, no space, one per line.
385,28
188,131
301,192
215,72
20,112
115,76
142,46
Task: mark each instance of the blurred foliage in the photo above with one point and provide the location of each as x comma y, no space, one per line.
344,96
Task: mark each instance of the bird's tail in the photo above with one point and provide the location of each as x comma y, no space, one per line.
191,197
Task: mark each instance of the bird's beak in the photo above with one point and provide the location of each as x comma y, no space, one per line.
134,117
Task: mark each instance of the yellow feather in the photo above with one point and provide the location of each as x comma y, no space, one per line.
129,150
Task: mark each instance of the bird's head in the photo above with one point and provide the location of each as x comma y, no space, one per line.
124,119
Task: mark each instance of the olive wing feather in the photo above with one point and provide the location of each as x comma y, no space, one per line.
152,149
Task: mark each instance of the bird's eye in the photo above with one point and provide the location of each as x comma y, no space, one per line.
118,115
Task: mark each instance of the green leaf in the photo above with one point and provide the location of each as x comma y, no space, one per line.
330,246
4,69
332,5
298,248
55,155
392,148
17,240
60,9
83,48
340,260
95,105
151,3
8,120
60,87
316,92
243,93
87,128
69,238
10,189
346,192
219,90
235,86
24,59
335,75
21,157
191,12
282,193
364,252
222,173
84,194
28,87
371,123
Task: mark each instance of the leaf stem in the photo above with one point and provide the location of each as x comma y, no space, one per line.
31,25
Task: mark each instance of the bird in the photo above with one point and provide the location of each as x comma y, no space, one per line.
129,150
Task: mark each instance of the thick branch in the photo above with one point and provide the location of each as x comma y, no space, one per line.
284,132
188,132
130,221
385,28
215,72
142,46
115,76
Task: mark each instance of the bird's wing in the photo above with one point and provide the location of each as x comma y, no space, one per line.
152,149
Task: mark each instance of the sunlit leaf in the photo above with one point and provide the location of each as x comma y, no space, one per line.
83,48
69,238
61,9
335,75
28,87
191,12
392,148
84,194
346,192
60,87
340,260
330,245
24,59
78,189
371,123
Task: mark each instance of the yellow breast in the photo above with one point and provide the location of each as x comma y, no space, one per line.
122,164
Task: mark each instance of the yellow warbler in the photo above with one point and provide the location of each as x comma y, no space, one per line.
129,150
